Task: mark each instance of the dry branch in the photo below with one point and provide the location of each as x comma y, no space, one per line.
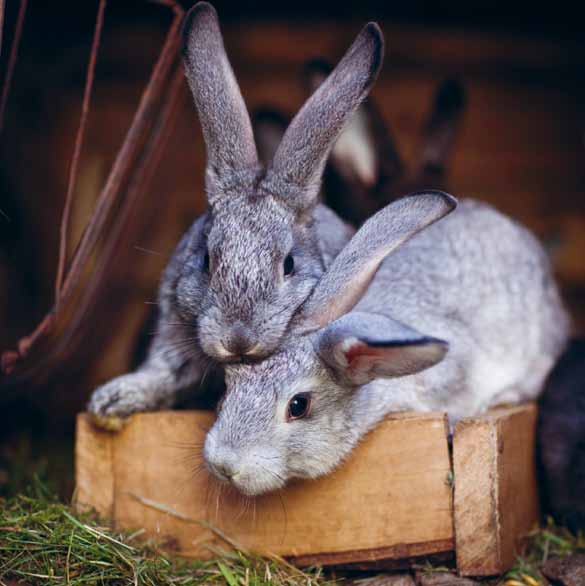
77,150
128,179
13,56
2,7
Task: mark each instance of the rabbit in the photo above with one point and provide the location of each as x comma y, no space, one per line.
561,438
243,268
365,171
462,315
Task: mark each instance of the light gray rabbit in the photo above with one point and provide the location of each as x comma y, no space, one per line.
244,268
463,316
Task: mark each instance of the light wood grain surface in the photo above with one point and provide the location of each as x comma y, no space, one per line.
391,500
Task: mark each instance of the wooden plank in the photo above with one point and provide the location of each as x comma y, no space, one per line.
391,499
474,469
518,486
94,471
495,499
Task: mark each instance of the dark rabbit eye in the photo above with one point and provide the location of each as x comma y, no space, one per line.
289,265
299,406
206,263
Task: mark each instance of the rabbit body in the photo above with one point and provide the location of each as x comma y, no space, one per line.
483,283
475,282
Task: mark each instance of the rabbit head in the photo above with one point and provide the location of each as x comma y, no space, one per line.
296,414
259,256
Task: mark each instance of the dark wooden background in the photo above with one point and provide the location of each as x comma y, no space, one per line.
521,145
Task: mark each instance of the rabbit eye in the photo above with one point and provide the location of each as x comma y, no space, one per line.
206,263
299,406
289,265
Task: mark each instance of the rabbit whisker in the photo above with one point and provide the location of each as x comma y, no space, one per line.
150,251
277,476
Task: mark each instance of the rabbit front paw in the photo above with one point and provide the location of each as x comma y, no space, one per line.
111,404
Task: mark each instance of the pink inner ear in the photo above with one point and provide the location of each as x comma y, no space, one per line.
360,356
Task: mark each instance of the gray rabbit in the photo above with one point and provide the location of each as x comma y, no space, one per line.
240,273
463,315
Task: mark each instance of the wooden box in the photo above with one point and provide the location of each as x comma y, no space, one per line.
403,494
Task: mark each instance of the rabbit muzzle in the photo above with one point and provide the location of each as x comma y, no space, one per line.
252,471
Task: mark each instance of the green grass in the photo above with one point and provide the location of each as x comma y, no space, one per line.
544,543
42,541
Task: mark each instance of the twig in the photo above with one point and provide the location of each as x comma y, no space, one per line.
12,60
2,7
172,4
137,187
161,507
77,150
125,163
126,157
96,533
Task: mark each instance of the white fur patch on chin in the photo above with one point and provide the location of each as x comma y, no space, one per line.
256,486
219,350
257,475
256,350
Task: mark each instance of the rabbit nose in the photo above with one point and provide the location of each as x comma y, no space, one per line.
240,341
224,470
224,466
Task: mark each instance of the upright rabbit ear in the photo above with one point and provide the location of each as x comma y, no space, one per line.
227,130
298,164
342,285
363,346
438,135
364,161
365,151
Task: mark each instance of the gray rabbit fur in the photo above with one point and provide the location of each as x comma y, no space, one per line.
462,316
243,269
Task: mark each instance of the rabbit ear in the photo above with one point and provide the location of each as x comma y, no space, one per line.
439,133
227,130
365,153
364,162
363,346
342,285
298,164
